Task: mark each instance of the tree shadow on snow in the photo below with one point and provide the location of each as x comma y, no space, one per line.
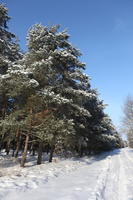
129,150
98,157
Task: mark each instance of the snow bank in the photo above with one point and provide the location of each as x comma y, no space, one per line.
13,177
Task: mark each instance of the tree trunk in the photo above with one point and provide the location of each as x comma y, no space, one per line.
46,149
17,149
33,152
23,160
1,142
33,149
13,147
81,152
39,159
18,143
4,109
51,153
8,147
13,152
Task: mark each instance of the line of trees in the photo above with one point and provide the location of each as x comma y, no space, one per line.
46,100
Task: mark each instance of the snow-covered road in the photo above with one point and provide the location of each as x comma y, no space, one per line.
105,177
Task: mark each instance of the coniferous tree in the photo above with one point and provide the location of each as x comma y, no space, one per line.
9,53
100,132
9,49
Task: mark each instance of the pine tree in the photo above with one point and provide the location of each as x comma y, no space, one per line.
100,133
9,53
55,64
9,49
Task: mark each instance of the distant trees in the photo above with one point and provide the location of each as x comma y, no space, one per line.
49,104
128,119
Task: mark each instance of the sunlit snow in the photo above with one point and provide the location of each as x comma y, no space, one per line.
104,177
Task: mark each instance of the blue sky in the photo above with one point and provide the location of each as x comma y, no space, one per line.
101,29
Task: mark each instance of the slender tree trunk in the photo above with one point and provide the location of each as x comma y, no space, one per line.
40,150
47,149
1,142
33,149
81,152
23,160
3,112
4,109
33,152
51,153
18,143
17,149
30,148
8,147
13,147
13,152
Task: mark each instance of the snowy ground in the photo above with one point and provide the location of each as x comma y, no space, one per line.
104,177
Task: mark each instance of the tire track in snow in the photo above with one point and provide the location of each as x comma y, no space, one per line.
127,155
122,180
126,175
119,183
108,181
111,191
102,180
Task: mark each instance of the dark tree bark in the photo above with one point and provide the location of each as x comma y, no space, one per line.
51,153
23,160
1,142
81,152
8,147
4,109
18,136
33,149
40,150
